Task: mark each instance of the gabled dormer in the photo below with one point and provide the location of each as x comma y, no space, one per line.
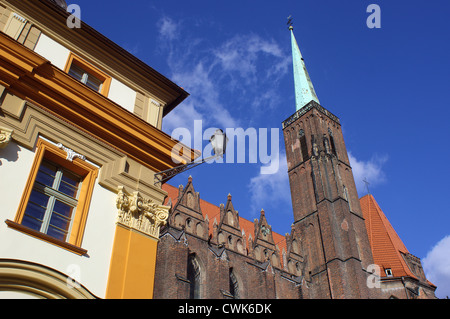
293,260
189,198
186,214
228,231
229,217
264,247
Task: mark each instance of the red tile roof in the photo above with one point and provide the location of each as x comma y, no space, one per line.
385,243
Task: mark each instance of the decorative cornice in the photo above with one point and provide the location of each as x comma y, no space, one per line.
311,105
33,78
52,20
137,212
5,136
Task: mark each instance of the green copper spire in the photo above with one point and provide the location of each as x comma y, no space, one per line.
304,89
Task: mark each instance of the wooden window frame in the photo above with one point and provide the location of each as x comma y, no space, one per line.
54,195
103,77
89,175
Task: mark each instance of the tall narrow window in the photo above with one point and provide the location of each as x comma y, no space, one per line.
333,147
193,275
315,148
326,144
303,146
234,285
347,198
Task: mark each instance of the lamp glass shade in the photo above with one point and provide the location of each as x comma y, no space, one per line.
219,142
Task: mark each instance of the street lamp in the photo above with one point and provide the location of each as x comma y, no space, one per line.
219,143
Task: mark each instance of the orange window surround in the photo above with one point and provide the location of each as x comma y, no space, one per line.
88,174
91,70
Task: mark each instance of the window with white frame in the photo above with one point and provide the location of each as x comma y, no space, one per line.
53,201
84,77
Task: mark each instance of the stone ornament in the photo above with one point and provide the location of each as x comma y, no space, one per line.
139,213
71,154
5,136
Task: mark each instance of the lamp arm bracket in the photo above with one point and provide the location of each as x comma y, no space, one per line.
167,174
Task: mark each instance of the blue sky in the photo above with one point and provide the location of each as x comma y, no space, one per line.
390,88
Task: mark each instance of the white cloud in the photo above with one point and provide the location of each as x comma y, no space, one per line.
370,170
264,188
182,117
277,185
241,54
205,99
167,28
226,81
210,73
436,266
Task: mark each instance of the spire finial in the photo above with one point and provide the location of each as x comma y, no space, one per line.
367,185
289,23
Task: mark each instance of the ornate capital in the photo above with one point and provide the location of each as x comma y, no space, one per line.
139,213
5,136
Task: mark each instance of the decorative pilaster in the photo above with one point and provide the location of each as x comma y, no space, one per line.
5,136
139,213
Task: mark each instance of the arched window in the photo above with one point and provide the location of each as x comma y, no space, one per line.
193,275
178,221
274,260
326,144
230,218
234,285
239,246
221,238
295,247
190,200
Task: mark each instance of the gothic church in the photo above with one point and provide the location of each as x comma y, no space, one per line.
340,246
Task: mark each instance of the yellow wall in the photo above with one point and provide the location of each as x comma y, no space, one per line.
132,269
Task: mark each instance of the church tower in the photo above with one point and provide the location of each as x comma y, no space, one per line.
327,212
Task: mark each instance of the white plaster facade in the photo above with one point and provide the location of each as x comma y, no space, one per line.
90,270
58,56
